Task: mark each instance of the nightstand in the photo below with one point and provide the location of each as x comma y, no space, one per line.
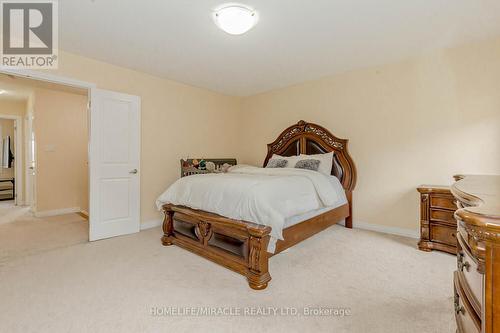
438,227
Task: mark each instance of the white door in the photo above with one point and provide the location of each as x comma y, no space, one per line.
114,158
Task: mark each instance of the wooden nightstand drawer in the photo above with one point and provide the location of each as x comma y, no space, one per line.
444,202
443,215
437,222
443,234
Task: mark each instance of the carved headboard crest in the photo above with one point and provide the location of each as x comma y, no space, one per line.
308,138
303,127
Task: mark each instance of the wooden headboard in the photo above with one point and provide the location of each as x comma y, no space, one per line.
307,138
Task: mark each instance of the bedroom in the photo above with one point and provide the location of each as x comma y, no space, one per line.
416,97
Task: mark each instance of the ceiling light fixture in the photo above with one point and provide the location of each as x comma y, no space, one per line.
2,91
235,19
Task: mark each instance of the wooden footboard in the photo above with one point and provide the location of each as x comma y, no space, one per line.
238,245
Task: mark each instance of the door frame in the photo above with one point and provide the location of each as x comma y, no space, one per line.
92,91
47,77
18,146
29,178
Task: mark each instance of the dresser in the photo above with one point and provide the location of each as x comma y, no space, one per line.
477,278
438,227
7,189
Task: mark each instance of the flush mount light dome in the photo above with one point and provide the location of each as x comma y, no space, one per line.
235,19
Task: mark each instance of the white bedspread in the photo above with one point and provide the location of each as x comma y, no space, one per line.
260,195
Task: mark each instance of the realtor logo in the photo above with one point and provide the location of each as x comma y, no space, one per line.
29,34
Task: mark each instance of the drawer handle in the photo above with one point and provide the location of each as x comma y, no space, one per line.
461,264
458,308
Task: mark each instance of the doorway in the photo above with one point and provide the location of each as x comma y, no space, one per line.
113,153
10,149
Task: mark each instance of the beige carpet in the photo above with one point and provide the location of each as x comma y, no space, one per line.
9,212
111,286
29,235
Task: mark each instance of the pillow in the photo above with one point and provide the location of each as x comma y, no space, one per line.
325,162
276,163
308,164
290,159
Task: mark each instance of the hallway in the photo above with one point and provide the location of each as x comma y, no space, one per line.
23,235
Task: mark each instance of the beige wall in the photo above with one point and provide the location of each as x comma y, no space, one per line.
12,107
61,136
419,121
177,120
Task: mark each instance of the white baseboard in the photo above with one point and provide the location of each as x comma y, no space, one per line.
151,224
386,229
56,212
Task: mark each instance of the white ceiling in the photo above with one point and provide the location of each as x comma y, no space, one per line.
294,41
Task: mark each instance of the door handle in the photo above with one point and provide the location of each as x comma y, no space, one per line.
133,171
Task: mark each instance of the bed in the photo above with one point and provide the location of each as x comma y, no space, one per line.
244,246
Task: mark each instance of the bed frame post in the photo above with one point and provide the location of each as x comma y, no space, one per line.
348,220
258,273
168,226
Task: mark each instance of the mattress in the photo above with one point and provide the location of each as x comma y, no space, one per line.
260,195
